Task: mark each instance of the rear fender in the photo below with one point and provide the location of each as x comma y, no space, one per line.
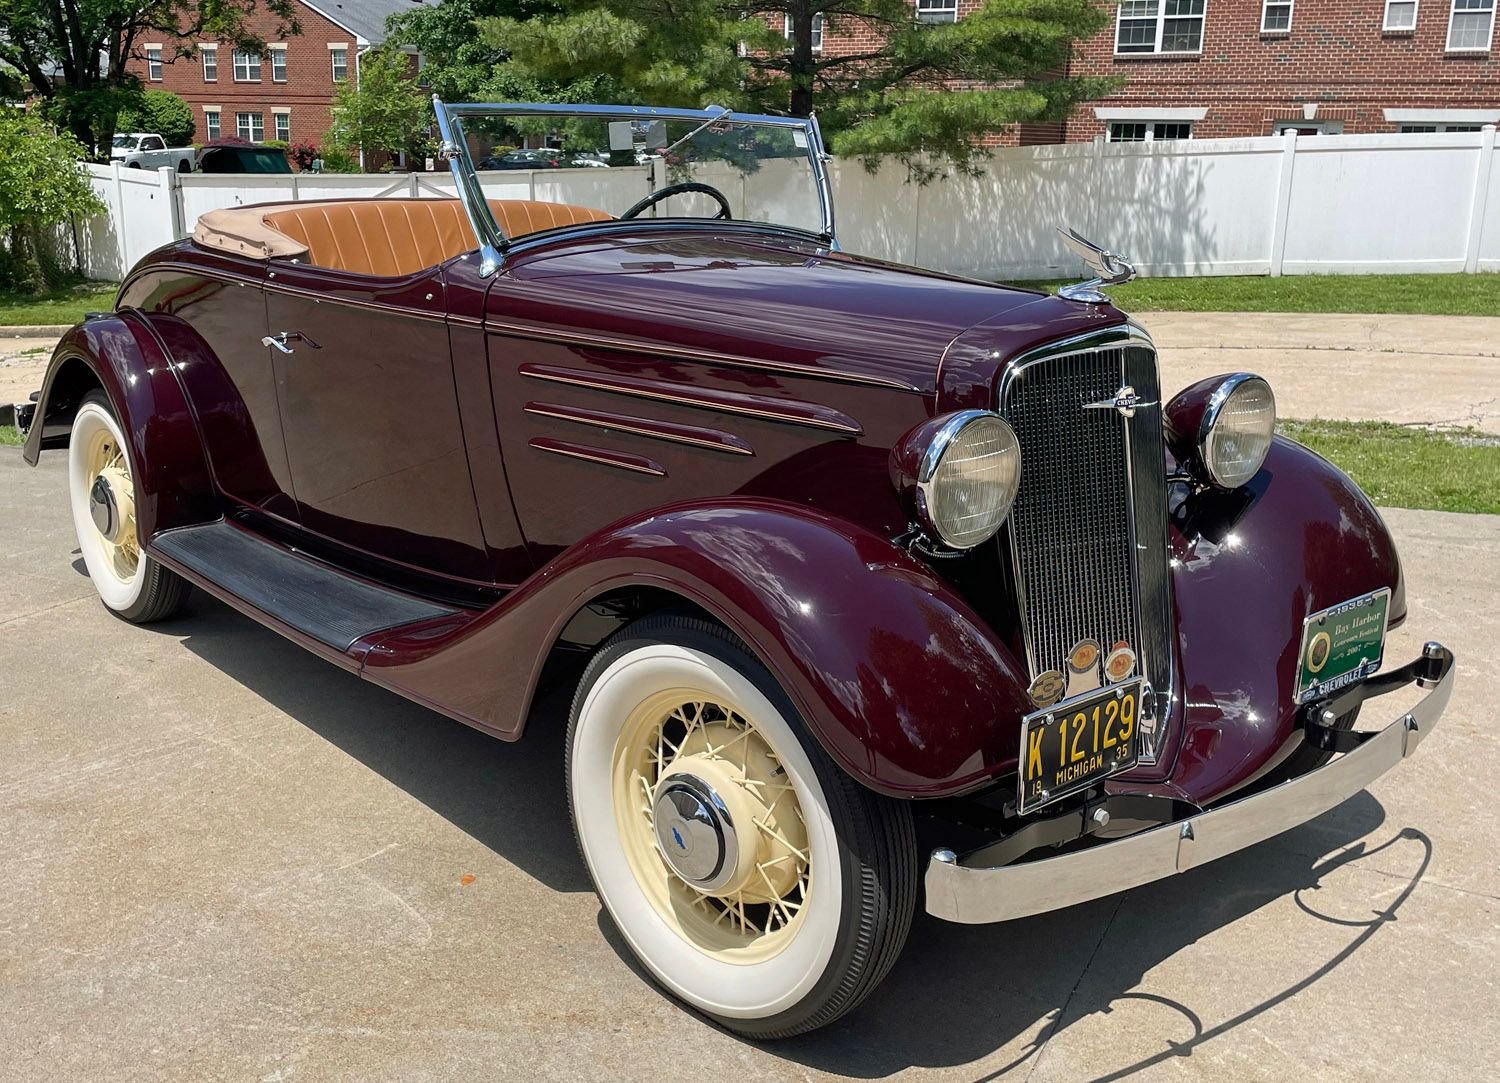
897,677
119,354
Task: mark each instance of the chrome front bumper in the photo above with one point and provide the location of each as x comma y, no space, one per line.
975,893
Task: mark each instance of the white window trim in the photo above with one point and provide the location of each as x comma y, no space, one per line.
1168,116
272,51
338,45
948,5
234,66
1385,20
1291,15
206,50
148,49
1443,116
250,128
214,111
1150,123
786,31
1161,22
334,46
1449,47
281,111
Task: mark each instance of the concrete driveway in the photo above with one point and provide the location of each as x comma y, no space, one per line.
225,859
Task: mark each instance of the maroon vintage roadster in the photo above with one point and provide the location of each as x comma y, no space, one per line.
847,563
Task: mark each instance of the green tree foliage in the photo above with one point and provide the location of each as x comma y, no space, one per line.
90,44
386,111
41,186
159,111
458,64
927,92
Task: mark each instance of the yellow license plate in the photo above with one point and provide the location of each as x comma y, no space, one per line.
1076,743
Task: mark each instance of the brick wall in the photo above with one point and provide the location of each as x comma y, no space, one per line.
306,94
1335,55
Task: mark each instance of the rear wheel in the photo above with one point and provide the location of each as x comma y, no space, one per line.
750,875
101,490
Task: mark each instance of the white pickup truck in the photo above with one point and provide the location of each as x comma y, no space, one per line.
147,150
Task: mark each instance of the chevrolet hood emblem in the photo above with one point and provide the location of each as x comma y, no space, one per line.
1126,401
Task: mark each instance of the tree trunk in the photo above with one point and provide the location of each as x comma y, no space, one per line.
800,65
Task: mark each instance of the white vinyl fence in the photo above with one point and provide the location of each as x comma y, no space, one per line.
1275,205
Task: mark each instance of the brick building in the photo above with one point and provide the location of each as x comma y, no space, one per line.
1217,68
283,93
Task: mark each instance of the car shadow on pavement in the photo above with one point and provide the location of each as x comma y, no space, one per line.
958,993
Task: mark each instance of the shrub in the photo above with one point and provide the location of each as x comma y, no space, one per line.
302,155
339,160
158,111
41,186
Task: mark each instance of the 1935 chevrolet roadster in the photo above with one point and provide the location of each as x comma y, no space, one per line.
838,555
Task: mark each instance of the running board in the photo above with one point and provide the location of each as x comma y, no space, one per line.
307,595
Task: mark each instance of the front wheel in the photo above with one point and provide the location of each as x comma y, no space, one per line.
101,489
749,874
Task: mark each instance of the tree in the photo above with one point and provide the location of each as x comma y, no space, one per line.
41,186
90,43
386,110
162,112
923,91
458,65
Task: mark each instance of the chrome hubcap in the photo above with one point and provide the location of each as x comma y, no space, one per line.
695,832
102,508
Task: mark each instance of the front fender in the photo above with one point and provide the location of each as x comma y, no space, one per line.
897,677
1247,568
120,354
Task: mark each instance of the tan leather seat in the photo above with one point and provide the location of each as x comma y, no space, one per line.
390,237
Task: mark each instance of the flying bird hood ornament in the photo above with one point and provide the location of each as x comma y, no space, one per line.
1109,268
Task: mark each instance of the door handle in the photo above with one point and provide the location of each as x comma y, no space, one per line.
279,341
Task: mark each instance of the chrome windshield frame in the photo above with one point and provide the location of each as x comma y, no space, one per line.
492,239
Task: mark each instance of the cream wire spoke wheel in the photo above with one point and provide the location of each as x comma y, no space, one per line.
750,875
102,492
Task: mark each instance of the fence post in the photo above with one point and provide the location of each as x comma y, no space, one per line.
166,177
1479,204
118,214
1283,201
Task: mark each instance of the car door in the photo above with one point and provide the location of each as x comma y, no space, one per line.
370,412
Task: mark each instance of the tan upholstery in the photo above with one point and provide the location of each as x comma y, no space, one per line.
245,234
389,237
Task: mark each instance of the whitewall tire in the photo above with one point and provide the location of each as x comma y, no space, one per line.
101,491
748,873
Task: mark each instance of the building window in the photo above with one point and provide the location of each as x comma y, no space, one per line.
278,63
937,11
210,55
246,67
251,126
1159,26
340,59
817,32
153,63
211,124
1470,25
1141,131
1276,17
283,126
1400,15
1418,129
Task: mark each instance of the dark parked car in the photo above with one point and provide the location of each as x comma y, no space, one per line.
835,555
240,157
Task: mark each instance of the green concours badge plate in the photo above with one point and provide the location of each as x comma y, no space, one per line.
1342,645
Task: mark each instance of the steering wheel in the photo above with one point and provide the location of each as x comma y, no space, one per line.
678,189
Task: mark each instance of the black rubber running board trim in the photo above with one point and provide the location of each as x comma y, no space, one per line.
318,601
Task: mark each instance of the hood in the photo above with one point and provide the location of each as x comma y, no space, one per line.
761,294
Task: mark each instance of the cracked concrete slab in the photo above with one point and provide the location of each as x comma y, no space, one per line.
225,859
1430,370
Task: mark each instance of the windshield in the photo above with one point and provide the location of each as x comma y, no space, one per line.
637,162
126,141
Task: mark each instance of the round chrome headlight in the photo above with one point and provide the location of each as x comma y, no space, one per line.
964,469
1236,430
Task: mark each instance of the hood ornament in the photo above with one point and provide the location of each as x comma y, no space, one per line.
1109,269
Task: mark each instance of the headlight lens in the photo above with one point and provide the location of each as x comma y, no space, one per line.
1237,428
968,478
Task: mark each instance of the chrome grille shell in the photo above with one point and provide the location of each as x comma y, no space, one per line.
1088,531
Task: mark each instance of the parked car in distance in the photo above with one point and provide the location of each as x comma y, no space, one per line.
147,150
872,587
243,158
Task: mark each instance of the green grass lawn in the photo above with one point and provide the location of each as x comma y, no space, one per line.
10,436
65,305
1448,470
1439,295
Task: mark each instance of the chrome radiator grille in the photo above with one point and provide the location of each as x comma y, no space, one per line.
1088,529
